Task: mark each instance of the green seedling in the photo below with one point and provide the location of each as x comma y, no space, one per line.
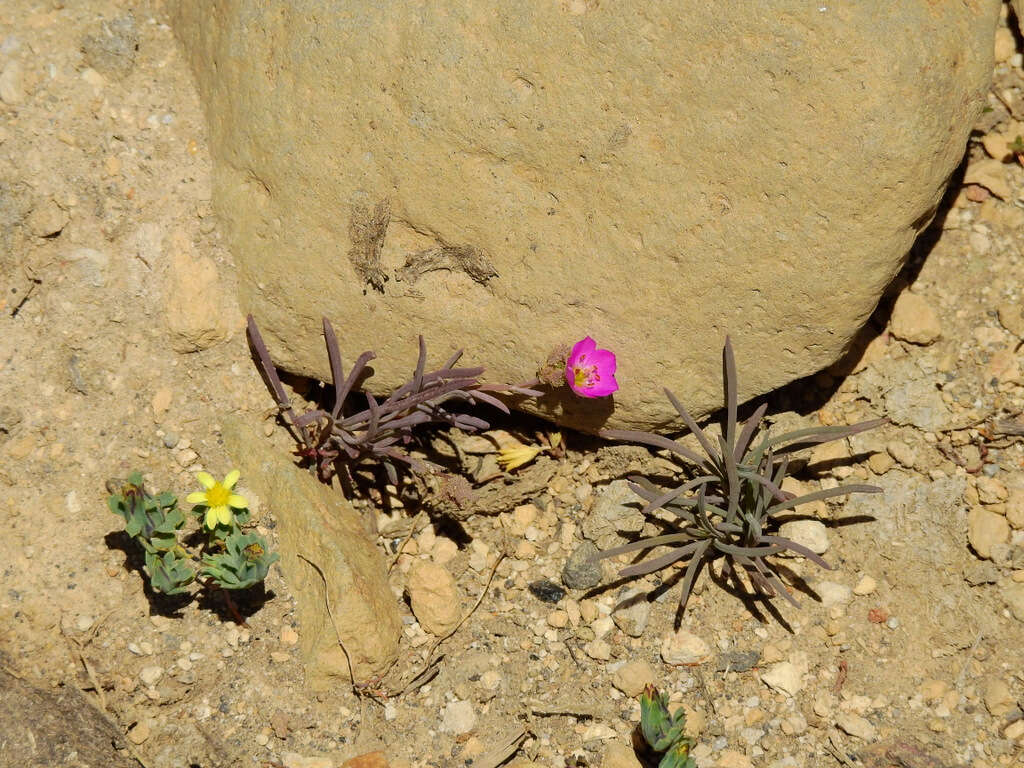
664,730
228,557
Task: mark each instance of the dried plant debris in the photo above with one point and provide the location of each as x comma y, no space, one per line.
367,230
454,258
336,439
728,508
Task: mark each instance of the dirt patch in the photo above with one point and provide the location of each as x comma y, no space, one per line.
106,230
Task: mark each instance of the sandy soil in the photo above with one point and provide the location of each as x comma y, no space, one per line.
112,269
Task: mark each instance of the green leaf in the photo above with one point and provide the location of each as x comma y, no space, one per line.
243,563
169,573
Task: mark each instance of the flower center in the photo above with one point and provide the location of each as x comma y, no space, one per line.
218,496
585,376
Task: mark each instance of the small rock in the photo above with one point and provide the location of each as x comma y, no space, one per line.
289,636
139,732
546,590
162,401
458,717
866,586
197,309
810,533
369,760
581,571
295,760
737,661
914,320
990,174
1005,45
47,219
684,647
856,726
84,622
997,696
598,732
618,755
1011,315
632,676
880,463
598,650
12,89
1014,597
832,594
112,51
1014,731
558,619
730,758
444,550
1015,508
986,531
632,611
170,439
991,491
491,680
150,675
434,597
785,677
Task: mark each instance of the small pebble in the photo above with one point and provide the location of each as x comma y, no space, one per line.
865,586
546,590
150,675
139,732
171,440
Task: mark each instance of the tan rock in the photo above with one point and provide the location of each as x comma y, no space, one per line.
199,310
47,219
632,676
12,87
990,174
986,531
1011,316
618,755
1005,44
1015,508
317,525
434,597
684,647
997,696
369,760
914,320
471,194
730,758
1014,597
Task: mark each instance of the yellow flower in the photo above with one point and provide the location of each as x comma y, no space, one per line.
218,498
516,456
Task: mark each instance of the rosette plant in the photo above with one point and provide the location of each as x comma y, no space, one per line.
730,506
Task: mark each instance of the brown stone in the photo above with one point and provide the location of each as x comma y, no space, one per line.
316,525
604,175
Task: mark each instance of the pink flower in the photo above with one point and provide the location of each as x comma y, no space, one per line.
591,371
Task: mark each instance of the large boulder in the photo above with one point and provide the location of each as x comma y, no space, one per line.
509,177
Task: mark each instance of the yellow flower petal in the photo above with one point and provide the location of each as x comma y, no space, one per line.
211,518
223,515
198,497
206,480
510,458
231,479
238,502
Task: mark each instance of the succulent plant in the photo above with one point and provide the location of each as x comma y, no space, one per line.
243,563
730,507
332,439
664,731
152,520
229,558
